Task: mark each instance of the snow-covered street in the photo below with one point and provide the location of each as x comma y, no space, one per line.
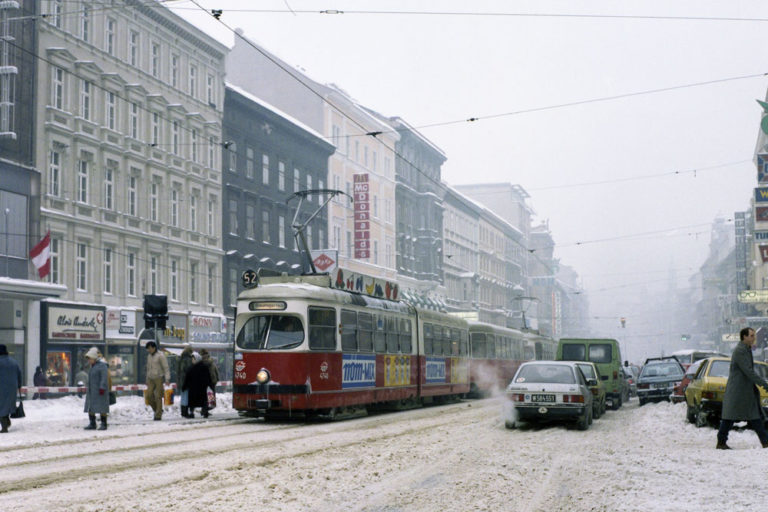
453,457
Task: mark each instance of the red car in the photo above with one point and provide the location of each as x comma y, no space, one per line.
678,394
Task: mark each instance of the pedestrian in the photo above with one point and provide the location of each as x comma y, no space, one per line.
10,385
81,381
212,369
97,391
185,363
158,375
742,398
39,381
197,381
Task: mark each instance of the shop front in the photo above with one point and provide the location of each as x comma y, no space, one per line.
171,341
209,332
121,333
67,332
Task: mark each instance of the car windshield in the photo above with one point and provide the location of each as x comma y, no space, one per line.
541,373
588,370
719,369
661,370
271,332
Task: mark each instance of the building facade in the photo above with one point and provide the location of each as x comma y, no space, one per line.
128,131
269,157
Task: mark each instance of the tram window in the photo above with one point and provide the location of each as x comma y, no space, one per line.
478,344
463,347
270,332
365,332
445,346
254,333
348,330
322,328
491,346
405,336
455,340
428,339
379,336
392,341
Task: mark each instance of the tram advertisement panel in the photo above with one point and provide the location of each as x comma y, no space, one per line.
358,371
397,370
435,370
459,370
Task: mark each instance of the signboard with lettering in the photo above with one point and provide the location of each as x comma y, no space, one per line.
362,216
120,323
344,279
207,328
761,195
75,324
435,370
753,296
358,371
325,260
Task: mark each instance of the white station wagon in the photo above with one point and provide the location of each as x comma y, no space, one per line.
547,391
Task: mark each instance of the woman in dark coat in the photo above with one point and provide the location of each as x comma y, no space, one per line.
40,381
197,381
185,363
97,391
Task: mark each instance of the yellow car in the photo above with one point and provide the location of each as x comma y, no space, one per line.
704,394
590,371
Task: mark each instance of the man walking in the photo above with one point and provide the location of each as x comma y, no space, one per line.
157,375
742,398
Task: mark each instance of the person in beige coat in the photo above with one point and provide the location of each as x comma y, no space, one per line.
158,375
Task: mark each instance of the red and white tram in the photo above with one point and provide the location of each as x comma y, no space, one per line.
495,355
338,345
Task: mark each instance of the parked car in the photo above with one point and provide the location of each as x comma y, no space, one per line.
689,356
545,391
631,388
658,378
704,395
678,394
591,372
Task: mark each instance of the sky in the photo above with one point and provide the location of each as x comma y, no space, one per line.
618,119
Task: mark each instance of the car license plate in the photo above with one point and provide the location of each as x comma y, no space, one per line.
660,385
542,398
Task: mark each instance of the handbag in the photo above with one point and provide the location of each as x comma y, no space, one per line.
112,398
211,399
19,411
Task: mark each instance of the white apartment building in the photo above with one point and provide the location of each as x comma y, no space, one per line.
128,132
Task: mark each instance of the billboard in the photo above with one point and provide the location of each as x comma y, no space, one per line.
361,193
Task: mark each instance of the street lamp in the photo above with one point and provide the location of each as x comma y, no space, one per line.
524,308
7,250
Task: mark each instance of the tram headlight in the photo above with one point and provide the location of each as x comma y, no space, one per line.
263,376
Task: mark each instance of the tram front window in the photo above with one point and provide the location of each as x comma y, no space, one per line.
271,332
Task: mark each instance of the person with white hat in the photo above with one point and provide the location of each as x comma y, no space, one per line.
97,390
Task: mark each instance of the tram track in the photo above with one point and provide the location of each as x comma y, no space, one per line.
192,457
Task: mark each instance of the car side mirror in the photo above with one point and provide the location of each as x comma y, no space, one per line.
591,382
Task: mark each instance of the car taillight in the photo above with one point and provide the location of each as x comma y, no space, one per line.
573,399
630,381
709,395
643,386
516,397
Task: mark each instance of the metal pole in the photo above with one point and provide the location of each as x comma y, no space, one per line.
7,252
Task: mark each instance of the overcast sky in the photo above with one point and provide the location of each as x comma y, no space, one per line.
641,148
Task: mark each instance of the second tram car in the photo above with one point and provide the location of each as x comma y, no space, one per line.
338,345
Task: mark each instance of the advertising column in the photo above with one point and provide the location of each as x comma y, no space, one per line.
68,331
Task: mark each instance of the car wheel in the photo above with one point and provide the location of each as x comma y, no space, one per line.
701,419
509,424
584,421
603,407
690,414
616,403
641,401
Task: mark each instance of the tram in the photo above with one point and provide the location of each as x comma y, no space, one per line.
495,354
338,345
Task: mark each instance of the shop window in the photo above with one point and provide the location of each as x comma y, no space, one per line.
58,368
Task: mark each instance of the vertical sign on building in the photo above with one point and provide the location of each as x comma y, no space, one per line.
362,217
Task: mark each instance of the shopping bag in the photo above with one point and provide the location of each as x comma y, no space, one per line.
19,411
169,396
211,399
112,398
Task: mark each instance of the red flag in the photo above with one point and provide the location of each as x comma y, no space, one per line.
41,256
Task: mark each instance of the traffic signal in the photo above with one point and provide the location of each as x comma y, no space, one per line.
155,311
685,337
623,322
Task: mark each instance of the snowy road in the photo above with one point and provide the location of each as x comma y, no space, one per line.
457,457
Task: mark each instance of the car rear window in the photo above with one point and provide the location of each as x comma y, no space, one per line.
661,370
588,370
574,352
601,353
546,373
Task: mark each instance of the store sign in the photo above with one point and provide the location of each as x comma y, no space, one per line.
753,296
203,328
325,260
75,324
761,195
120,323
